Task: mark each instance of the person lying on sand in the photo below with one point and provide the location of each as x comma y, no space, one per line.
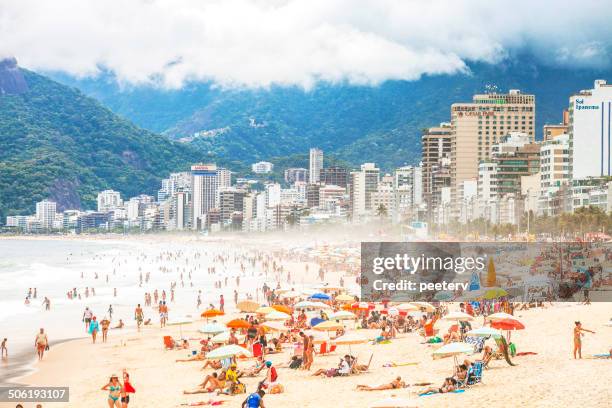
254,370
119,325
216,381
342,369
395,384
214,364
450,384
201,356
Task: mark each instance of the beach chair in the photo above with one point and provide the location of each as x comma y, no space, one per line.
168,342
367,367
332,348
476,376
323,349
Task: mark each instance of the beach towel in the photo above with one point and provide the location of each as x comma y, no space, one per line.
526,353
437,393
394,364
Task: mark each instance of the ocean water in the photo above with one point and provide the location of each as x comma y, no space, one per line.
56,266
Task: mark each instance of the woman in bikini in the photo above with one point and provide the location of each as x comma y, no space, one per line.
393,385
450,384
126,390
114,389
578,329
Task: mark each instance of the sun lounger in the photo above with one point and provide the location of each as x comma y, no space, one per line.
473,376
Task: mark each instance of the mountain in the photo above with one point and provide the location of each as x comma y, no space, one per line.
59,144
357,123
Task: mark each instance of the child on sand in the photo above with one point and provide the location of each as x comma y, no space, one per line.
578,333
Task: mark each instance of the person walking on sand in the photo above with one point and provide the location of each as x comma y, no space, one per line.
94,328
40,343
3,349
87,315
105,323
578,333
138,316
221,303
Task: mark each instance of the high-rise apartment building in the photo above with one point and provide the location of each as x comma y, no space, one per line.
109,200
363,184
335,176
315,165
296,174
554,172
516,155
205,184
436,149
476,126
45,213
590,134
230,200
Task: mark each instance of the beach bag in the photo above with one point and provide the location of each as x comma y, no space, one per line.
276,389
239,388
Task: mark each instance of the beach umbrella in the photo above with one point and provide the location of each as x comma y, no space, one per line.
424,305
328,325
507,324
321,296
238,324
212,313
228,351
494,293
342,315
275,326
453,350
277,316
500,316
458,316
265,310
362,306
395,402
318,336
319,305
283,308
392,311
351,338
180,321
212,328
305,304
407,307
247,306
484,332
344,298
221,337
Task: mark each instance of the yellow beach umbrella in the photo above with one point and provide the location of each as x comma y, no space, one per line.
344,298
247,306
265,310
328,325
494,293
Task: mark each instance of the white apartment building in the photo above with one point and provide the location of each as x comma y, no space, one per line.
487,191
315,165
45,213
273,194
262,167
590,134
363,184
109,200
554,171
205,184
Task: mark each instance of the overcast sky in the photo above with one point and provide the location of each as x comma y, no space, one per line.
257,42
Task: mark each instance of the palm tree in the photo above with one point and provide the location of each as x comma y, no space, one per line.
381,211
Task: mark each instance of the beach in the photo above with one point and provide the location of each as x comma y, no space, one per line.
549,378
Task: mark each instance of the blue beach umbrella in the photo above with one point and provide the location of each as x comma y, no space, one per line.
321,296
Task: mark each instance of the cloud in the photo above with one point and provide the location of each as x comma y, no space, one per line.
257,43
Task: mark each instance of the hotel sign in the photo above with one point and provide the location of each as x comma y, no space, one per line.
581,106
204,167
475,113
